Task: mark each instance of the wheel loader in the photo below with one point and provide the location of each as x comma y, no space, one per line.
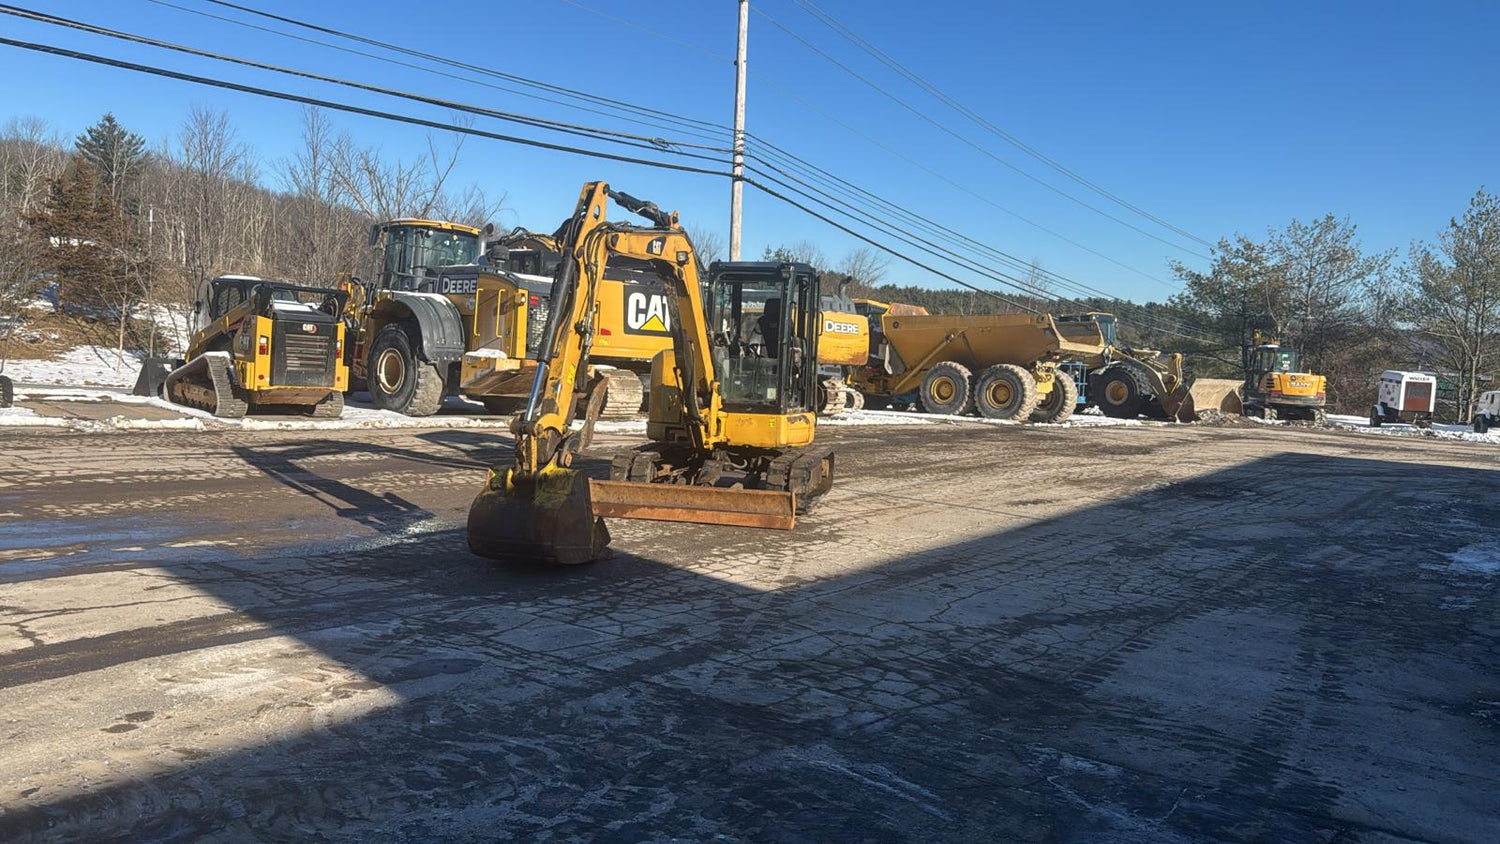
732,415
259,343
1126,383
442,311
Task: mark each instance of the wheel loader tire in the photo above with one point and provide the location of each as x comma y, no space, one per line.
1059,404
946,388
8,392
503,405
1121,392
398,379
1005,391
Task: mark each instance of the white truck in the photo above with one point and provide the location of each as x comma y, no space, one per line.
1405,397
1487,411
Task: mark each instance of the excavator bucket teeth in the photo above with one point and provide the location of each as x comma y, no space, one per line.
700,504
1218,394
544,518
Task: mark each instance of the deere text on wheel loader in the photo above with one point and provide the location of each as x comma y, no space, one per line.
732,418
259,343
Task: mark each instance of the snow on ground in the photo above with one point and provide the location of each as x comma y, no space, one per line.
80,366
1482,558
1437,431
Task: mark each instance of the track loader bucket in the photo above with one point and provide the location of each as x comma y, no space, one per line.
1189,401
154,372
545,518
699,504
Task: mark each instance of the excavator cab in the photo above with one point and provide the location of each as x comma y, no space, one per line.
766,335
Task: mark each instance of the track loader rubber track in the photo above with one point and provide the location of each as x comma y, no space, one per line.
206,383
623,394
329,408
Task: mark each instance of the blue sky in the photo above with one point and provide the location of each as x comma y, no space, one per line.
1215,118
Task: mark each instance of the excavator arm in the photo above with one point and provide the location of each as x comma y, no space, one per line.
539,507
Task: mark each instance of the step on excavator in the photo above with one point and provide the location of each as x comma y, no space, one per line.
732,415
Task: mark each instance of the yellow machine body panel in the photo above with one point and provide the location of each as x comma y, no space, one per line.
750,430
843,339
255,370
634,323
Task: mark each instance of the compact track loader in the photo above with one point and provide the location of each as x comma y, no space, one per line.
260,343
733,405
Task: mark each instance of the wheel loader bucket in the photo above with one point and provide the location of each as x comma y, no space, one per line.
1204,394
545,518
699,504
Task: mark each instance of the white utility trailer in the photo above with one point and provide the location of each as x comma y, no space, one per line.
1405,397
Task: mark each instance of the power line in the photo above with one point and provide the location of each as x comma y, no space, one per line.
866,137
638,141
350,109
683,127
962,139
884,58
469,130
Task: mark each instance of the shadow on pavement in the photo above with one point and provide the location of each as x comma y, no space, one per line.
1268,663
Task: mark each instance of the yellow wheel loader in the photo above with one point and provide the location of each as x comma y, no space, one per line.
1125,383
732,415
260,343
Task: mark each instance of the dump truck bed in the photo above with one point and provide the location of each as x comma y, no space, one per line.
981,340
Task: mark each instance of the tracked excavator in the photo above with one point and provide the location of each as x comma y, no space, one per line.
733,406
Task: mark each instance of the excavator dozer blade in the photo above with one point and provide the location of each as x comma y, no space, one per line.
700,504
1204,394
545,518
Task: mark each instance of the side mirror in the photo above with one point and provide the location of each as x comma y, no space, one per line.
374,233
197,307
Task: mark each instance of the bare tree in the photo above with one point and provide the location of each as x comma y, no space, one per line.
804,251
865,266
708,242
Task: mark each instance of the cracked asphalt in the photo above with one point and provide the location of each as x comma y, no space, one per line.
1144,633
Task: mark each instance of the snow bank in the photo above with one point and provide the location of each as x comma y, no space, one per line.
79,366
1461,433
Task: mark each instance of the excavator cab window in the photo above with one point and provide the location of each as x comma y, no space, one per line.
762,332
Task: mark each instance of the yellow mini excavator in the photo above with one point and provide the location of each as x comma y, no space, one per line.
733,403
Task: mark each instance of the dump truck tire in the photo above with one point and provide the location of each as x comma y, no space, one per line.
398,379
1059,404
1121,392
1005,391
946,388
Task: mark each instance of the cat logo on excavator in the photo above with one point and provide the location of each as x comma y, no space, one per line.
647,313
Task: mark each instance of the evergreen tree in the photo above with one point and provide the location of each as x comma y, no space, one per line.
117,157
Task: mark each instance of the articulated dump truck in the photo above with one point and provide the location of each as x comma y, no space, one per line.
1125,383
1001,366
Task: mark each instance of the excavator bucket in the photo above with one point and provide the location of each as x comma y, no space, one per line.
545,518
1189,401
700,504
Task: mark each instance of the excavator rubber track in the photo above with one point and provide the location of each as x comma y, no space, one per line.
806,473
623,394
206,383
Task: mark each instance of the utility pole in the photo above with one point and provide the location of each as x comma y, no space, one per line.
737,170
